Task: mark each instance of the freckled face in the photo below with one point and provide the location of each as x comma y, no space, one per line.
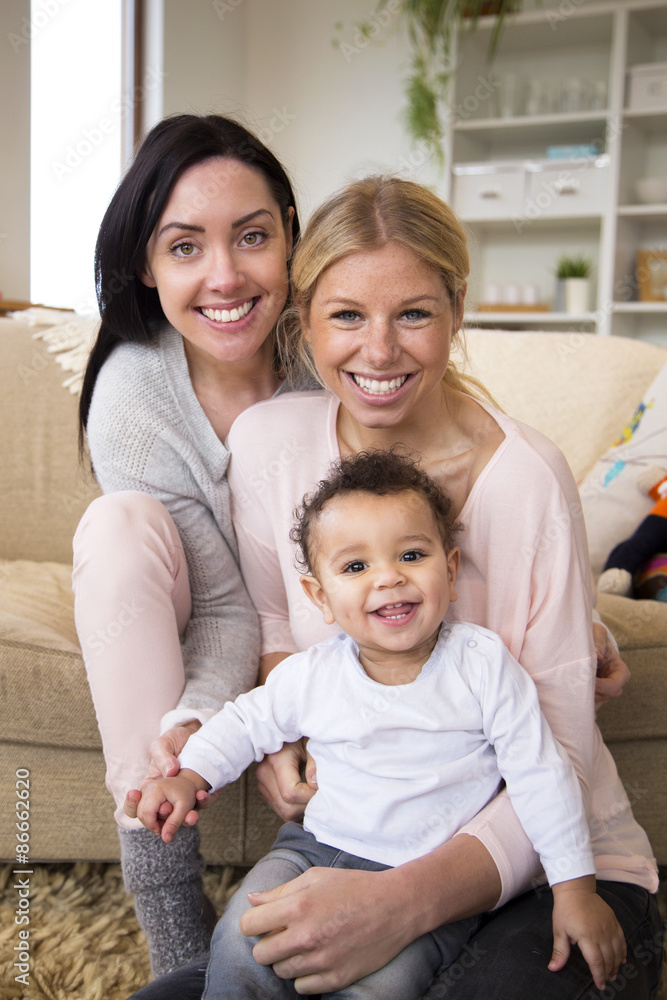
218,259
380,326
383,574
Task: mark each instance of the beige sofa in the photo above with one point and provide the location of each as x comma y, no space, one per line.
578,389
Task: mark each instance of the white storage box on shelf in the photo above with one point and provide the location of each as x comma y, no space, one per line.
574,188
647,89
530,188
488,190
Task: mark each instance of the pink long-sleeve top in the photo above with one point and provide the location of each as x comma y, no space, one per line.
524,574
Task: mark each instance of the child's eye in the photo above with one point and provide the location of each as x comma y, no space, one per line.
413,555
355,567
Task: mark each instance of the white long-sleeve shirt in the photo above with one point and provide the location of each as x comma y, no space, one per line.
401,768
524,574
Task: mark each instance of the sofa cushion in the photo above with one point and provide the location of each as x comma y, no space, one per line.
44,489
613,505
640,628
44,692
579,389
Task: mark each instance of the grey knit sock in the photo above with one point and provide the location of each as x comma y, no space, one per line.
169,899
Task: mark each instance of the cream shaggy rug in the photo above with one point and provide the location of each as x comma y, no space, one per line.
85,943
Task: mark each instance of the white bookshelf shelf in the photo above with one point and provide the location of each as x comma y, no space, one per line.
574,69
535,319
641,308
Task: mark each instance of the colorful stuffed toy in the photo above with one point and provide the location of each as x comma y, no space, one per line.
637,567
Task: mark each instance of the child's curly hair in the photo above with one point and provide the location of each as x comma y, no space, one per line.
379,473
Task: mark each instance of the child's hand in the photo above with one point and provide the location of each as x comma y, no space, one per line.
164,804
582,917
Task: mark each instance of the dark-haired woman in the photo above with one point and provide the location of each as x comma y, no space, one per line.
200,231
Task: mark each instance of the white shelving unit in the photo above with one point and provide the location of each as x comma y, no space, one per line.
559,78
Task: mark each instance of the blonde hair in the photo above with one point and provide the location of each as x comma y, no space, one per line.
361,218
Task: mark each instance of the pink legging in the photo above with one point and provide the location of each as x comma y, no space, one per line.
132,604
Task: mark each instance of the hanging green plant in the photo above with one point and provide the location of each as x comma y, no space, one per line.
431,26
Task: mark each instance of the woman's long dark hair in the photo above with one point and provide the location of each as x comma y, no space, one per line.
130,310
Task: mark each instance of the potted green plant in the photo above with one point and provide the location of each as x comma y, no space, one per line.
574,272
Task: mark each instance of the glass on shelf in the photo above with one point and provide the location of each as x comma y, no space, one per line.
520,96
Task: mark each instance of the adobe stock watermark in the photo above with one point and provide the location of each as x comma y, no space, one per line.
100,640
625,290
552,530
45,11
467,958
278,123
76,153
368,31
424,151
566,183
565,10
276,468
222,7
214,186
38,361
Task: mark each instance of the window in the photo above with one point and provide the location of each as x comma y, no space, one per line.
78,116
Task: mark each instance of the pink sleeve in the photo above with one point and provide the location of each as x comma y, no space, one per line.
255,532
264,582
525,534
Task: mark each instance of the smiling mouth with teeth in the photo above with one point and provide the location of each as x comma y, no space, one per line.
382,612
377,388
228,315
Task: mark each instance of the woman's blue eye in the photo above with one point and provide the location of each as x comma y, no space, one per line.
346,315
413,314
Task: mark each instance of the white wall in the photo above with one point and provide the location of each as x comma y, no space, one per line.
76,138
15,149
204,56
330,113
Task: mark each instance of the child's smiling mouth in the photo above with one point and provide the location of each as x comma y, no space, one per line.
395,612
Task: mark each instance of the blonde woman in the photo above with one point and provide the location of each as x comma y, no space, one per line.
379,280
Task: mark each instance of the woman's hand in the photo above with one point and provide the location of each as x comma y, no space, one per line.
280,781
164,764
330,927
612,673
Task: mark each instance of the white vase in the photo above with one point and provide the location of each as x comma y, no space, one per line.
577,295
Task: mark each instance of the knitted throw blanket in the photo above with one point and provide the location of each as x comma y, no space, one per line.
68,338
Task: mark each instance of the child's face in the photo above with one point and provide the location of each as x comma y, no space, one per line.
382,573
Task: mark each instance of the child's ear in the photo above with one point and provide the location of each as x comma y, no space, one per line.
318,597
453,564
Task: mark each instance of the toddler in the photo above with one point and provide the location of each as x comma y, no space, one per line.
413,725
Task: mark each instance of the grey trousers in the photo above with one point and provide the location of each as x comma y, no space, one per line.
233,973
